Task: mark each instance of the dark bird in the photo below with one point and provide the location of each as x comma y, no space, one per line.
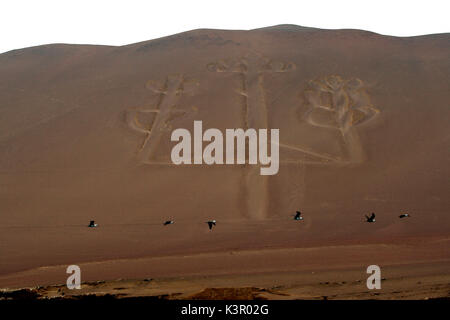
211,223
298,216
92,224
168,222
371,218
404,215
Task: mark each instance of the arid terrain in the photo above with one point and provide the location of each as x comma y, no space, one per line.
364,127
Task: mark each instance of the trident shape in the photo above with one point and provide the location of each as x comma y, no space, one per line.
170,91
251,70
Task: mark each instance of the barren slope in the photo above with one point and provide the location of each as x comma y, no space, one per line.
85,134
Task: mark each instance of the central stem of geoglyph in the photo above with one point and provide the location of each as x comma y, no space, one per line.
251,70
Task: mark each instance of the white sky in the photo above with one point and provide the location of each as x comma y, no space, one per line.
28,23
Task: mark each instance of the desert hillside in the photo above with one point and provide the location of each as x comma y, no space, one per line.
85,135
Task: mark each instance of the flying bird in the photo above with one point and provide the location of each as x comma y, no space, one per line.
298,216
92,224
168,222
404,215
371,218
211,223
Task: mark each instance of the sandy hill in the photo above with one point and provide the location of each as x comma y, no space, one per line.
85,134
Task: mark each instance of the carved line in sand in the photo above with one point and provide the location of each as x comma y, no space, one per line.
251,70
338,104
165,111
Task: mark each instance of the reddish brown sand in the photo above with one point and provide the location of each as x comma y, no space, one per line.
364,126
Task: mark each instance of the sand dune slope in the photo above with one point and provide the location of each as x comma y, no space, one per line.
85,134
